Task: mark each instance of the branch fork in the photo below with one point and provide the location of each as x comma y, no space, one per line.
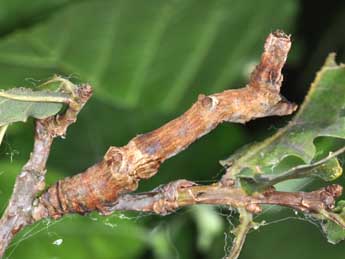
107,185
31,179
123,167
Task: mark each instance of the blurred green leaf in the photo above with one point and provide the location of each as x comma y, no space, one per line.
17,13
149,54
209,224
322,114
82,237
161,243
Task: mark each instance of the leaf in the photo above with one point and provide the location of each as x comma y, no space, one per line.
209,225
18,104
83,237
161,242
321,114
153,54
328,171
16,13
334,232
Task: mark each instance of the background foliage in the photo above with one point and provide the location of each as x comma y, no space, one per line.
147,61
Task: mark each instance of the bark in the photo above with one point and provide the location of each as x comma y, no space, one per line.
123,167
31,179
105,186
182,193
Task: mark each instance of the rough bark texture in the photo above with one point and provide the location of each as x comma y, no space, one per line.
31,180
105,186
183,193
123,167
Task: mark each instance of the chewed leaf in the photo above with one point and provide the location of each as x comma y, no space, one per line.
18,104
334,232
321,114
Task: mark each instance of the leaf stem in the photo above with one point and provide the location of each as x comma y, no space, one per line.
240,233
299,171
25,98
336,218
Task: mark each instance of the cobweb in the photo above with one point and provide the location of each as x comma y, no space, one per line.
228,214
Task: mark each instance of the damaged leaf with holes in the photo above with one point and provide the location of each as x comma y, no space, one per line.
321,114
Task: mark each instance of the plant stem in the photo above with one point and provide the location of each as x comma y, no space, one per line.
240,232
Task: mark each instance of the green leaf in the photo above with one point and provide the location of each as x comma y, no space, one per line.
16,13
161,243
334,232
321,114
153,54
83,237
18,104
328,171
209,224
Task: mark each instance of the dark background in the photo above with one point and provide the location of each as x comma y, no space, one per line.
148,61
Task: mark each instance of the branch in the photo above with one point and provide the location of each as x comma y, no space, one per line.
169,198
182,193
123,167
31,180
